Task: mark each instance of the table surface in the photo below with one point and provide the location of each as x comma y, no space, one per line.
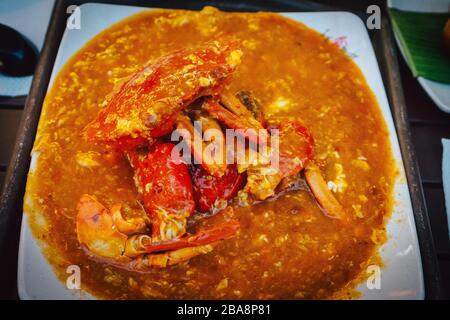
428,125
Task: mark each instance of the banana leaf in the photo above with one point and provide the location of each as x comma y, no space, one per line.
420,35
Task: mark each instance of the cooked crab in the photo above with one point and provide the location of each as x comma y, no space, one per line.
169,94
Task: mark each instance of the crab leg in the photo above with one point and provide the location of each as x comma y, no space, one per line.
247,99
244,124
209,154
214,144
235,104
144,244
323,195
145,262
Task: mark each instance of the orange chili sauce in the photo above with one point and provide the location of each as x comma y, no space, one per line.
286,248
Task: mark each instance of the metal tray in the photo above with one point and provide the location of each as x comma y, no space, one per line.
382,40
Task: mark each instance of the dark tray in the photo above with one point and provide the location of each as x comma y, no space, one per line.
385,49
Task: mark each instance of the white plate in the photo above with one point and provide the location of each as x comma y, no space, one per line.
401,278
438,92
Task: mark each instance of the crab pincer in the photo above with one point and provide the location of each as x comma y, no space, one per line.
165,185
101,233
164,182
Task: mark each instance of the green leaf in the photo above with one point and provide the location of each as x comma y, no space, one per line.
420,35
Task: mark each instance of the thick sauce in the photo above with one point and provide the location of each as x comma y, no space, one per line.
286,248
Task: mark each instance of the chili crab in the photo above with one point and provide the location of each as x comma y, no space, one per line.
169,94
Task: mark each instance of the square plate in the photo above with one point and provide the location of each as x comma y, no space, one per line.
401,277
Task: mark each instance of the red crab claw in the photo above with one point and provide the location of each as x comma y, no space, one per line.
165,184
147,104
209,189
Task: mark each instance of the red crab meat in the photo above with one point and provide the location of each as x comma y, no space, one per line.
208,188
